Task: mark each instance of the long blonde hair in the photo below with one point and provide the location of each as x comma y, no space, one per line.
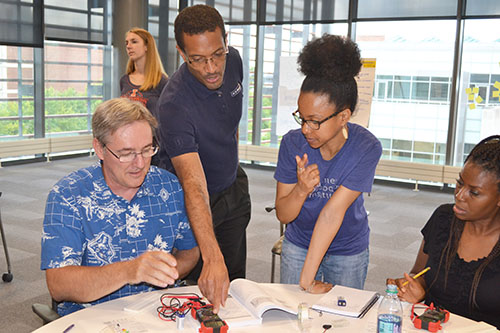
154,68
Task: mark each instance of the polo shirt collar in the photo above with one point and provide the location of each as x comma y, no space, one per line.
199,88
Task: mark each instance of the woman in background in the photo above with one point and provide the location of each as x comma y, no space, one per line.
461,244
322,171
145,76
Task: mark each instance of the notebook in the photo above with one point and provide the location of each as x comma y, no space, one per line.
356,301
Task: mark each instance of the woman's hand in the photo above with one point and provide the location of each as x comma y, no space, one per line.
307,175
321,287
318,287
412,292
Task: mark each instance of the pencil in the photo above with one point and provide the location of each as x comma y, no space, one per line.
69,328
422,272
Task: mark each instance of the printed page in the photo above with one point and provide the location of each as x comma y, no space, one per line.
258,299
236,315
356,301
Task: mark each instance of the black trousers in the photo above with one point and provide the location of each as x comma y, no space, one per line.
231,211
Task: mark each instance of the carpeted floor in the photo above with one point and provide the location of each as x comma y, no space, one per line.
396,216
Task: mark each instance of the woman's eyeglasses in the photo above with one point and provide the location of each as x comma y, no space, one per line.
313,124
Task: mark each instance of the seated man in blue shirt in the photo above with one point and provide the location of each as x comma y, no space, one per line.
118,227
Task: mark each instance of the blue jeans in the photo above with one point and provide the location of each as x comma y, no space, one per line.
349,271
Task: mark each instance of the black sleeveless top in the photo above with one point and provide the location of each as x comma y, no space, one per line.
455,297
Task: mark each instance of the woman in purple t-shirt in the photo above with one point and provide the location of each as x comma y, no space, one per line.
322,171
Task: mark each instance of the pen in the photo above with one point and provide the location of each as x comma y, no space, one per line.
422,272
69,328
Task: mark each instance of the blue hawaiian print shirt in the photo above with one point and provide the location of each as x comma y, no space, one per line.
86,224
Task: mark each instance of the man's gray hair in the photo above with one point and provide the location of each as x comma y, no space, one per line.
117,112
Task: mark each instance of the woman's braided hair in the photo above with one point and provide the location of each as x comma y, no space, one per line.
486,154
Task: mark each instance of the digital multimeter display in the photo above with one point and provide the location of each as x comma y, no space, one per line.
210,322
214,324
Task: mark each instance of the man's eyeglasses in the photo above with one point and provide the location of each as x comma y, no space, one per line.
129,157
217,58
313,124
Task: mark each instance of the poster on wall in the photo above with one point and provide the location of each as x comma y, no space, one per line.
289,88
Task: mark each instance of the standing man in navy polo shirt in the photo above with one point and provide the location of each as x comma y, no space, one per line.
199,110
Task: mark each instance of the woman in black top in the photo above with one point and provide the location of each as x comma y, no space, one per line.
461,244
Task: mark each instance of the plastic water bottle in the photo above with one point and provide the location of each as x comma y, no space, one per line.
390,312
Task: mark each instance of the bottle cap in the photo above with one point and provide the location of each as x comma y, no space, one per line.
392,289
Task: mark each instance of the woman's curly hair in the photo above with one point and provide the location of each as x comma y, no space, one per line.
330,64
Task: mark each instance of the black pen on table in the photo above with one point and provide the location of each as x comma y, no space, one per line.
69,328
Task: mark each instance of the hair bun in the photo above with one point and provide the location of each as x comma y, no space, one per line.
330,57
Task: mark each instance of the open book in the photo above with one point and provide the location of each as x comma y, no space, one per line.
357,302
248,301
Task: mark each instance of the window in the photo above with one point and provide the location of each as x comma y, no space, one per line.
161,19
314,10
411,101
439,91
76,20
479,88
243,38
483,7
16,93
284,40
406,8
420,90
21,23
73,86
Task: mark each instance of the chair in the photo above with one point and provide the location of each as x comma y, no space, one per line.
276,250
45,312
6,277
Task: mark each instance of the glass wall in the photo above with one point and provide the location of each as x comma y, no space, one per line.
73,86
75,20
411,102
16,93
52,88
437,83
243,38
283,41
478,114
21,23
161,17
305,10
422,73
403,8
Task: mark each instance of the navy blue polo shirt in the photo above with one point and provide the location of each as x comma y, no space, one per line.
194,118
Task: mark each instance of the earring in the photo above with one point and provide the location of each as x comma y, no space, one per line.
345,133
